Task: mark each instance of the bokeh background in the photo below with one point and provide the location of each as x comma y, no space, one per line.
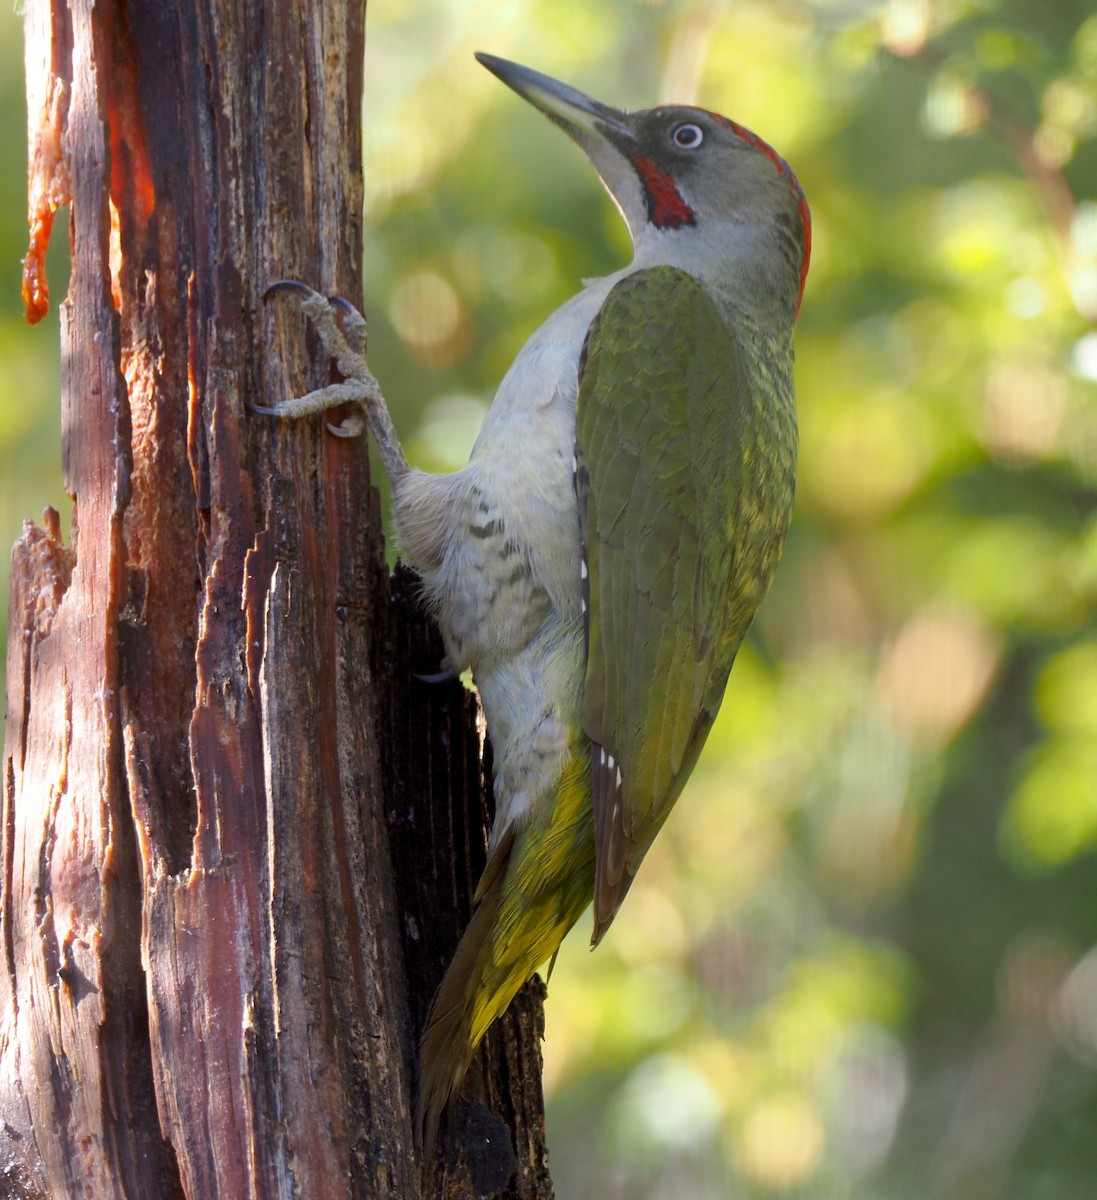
861,961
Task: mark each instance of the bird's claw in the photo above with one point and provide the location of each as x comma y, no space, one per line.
338,333
288,285
342,332
352,323
349,427
448,673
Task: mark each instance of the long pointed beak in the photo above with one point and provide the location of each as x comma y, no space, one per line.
601,132
579,114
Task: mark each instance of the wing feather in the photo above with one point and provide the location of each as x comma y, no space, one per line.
666,435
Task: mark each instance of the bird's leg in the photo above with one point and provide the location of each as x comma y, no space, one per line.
345,340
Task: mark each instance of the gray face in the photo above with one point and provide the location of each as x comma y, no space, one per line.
682,168
736,203
722,170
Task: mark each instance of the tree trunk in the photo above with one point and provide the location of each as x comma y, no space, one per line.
239,836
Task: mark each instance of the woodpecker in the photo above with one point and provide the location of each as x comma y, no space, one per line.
599,559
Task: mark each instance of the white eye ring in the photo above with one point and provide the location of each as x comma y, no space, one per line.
688,137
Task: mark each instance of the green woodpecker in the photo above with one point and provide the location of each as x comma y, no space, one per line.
599,559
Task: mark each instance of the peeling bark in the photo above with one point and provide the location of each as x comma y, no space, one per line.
239,837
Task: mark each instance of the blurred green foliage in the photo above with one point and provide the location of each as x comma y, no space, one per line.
30,370
861,961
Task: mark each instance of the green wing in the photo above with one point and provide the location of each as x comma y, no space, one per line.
674,473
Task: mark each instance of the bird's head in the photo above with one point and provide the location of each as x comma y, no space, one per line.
693,187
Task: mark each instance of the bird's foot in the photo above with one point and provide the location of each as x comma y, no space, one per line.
342,332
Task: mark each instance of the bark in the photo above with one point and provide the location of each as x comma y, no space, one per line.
238,836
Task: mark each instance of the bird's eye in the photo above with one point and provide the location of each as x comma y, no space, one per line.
688,137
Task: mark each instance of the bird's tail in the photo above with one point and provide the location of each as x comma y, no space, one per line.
536,885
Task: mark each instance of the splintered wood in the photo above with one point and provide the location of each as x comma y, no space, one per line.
48,67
